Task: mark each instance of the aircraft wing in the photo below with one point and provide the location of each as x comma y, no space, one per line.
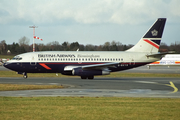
100,66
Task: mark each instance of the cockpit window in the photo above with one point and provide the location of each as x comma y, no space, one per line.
17,58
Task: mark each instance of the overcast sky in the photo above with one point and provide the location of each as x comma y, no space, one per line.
87,21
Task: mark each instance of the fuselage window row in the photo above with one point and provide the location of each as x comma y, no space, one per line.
100,59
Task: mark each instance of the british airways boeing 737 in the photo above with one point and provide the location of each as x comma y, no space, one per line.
88,64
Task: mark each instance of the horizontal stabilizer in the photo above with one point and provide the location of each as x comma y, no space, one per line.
159,55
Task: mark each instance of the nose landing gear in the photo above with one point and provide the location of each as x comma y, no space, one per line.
25,75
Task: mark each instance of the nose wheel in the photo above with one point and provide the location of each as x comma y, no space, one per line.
25,75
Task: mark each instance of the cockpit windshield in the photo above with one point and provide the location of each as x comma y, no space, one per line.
17,58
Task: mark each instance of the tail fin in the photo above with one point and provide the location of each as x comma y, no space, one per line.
151,40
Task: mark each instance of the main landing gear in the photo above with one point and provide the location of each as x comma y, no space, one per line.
85,77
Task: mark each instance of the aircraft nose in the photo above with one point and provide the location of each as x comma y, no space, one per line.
5,64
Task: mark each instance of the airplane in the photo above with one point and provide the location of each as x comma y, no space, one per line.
88,64
167,60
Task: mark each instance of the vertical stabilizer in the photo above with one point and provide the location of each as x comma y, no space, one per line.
151,40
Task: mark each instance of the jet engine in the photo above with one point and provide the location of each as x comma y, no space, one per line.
81,72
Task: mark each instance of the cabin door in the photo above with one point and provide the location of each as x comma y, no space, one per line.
32,61
132,60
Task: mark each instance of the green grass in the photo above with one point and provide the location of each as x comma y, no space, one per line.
14,74
7,56
116,74
13,87
94,108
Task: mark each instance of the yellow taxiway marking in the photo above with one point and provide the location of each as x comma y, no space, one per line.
173,86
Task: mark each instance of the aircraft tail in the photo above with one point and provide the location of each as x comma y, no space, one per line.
151,40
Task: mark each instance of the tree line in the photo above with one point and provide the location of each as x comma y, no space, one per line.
23,46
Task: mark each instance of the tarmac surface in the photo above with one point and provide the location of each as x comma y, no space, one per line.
102,86
99,87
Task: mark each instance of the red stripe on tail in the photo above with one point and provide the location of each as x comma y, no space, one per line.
150,42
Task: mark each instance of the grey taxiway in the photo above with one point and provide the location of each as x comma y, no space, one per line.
102,86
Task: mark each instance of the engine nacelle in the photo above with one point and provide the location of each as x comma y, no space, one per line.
68,70
81,72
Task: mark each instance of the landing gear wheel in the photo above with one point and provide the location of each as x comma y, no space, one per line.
90,77
25,75
83,77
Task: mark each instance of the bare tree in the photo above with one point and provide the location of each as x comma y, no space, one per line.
3,47
23,41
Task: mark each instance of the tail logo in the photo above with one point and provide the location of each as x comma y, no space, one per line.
154,32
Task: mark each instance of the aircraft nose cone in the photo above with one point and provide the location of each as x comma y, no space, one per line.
5,64
10,66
